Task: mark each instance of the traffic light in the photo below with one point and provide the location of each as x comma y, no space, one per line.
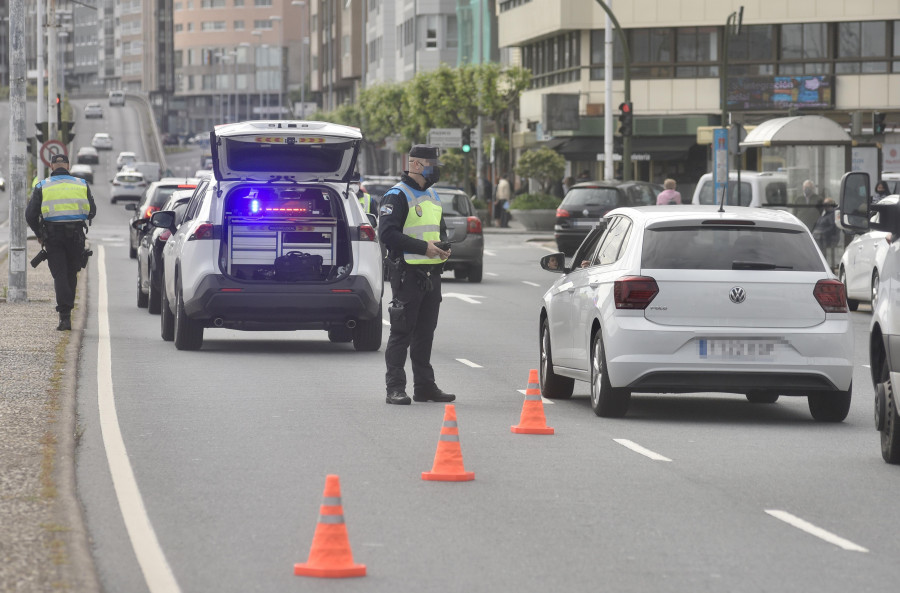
467,139
58,110
878,124
32,145
65,131
625,119
43,133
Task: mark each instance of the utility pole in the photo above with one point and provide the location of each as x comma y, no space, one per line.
41,108
627,173
52,128
479,146
18,248
609,47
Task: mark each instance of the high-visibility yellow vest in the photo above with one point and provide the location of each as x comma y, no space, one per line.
64,199
423,221
366,202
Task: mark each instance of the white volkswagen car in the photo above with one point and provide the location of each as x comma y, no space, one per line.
682,299
275,241
862,262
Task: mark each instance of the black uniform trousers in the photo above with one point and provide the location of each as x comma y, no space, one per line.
421,310
64,243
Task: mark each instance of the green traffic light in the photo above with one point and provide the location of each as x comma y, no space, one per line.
466,148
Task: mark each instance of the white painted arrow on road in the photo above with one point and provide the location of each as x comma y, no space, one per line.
469,298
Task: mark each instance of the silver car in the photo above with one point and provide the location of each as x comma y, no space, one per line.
464,231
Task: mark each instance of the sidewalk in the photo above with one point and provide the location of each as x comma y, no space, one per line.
43,546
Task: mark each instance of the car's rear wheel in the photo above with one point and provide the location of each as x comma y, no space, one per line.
460,273
606,400
852,304
830,406
762,397
553,386
112,200
153,304
887,418
475,272
166,317
188,332
142,298
367,334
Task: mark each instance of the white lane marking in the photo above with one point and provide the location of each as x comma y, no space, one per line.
468,298
157,572
543,399
489,252
469,363
530,283
816,531
638,449
865,366
491,274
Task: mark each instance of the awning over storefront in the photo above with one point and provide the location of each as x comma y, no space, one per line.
655,148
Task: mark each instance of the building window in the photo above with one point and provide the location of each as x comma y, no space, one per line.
238,25
858,41
553,61
652,51
262,2
452,33
262,24
212,26
431,32
238,3
752,53
697,52
179,28
804,49
345,45
212,3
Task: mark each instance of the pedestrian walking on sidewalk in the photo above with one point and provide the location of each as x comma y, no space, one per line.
503,196
58,212
411,226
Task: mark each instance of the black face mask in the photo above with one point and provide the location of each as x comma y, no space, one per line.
432,174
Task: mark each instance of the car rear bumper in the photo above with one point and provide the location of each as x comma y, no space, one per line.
282,305
677,360
466,253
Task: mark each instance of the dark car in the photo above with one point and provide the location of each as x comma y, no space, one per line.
155,196
585,204
464,232
149,252
377,186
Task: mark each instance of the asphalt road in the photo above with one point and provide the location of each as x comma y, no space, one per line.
220,468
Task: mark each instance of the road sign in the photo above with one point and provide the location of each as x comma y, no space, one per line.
445,137
51,148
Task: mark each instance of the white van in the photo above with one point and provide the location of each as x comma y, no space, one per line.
757,189
150,169
116,98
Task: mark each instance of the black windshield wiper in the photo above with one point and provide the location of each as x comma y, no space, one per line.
757,265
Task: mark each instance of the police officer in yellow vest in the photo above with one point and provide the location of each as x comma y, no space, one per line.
58,210
410,226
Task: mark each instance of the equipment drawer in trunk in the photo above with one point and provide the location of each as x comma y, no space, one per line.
253,245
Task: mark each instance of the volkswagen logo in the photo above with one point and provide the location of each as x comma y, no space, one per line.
737,295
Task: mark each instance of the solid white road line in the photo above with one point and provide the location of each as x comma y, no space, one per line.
530,283
470,363
489,252
491,274
816,531
638,449
157,572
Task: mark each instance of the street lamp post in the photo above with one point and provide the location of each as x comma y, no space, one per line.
256,52
304,56
245,44
277,19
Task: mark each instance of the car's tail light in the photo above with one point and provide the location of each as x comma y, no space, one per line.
203,231
164,236
116,182
831,295
562,213
150,211
634,292
366,232
473,225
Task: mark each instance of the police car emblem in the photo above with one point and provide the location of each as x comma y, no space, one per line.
418,210
386,209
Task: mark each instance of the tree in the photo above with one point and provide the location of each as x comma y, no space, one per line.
544,165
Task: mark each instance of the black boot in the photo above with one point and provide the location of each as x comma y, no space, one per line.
65,322
398,398
433,395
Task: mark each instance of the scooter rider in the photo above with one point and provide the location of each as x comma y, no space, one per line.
411,226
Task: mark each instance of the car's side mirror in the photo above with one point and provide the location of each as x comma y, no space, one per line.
140,224
854,202
163,219
555,262
131,206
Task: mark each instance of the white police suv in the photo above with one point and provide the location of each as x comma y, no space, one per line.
275,241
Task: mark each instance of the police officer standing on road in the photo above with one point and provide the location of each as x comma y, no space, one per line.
410,225
59,207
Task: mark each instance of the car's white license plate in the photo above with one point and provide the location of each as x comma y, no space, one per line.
584,223
737,349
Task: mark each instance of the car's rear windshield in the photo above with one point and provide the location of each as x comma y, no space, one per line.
697,247
454,204
707,195
591,196
129,178
164,192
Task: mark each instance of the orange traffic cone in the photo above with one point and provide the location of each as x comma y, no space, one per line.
532,420
330,555
448,461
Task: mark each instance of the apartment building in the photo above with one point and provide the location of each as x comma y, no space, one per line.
845,55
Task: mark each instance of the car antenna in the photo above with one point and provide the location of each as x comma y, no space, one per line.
722,201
